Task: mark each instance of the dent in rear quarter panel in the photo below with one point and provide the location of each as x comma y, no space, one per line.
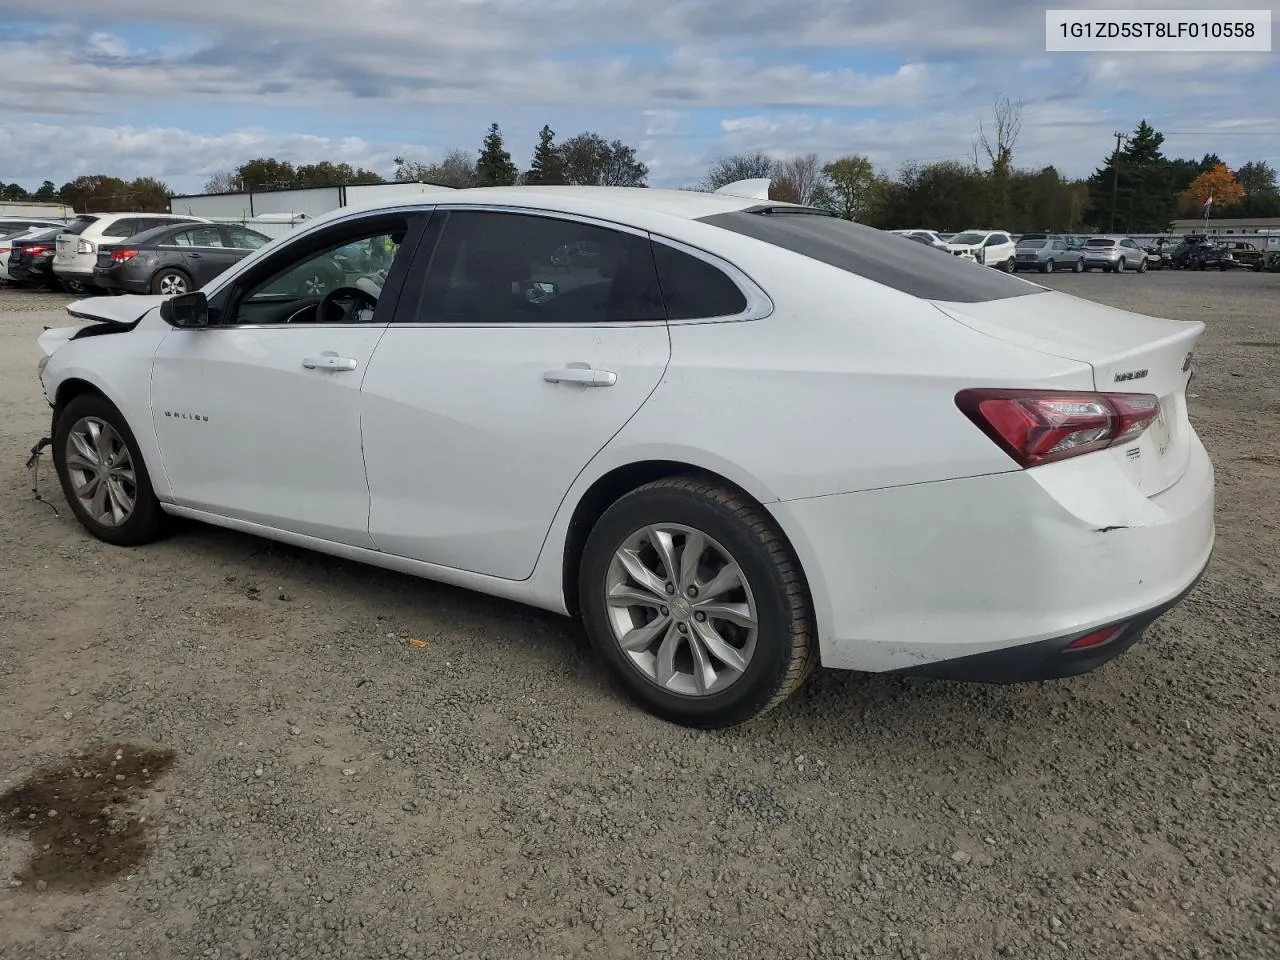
119,365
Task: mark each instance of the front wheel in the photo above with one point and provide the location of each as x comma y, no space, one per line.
1078,267
696,602
102,474
1142,266
1010,265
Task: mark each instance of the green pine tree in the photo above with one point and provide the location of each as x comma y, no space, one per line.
548,166
495,168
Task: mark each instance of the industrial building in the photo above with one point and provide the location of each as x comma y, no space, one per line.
292,205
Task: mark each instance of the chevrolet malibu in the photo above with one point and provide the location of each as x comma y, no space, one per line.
739,440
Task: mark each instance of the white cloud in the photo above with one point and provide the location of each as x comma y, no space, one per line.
683,80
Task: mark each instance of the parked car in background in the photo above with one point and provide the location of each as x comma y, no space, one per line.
77,252
574,441
930,237
30,261
11,225
1047,254
1245,255
1184,255
995,248
1114,255
9,233
173,259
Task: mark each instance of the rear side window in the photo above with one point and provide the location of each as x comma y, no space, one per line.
694,289
911,268
80,224
124,227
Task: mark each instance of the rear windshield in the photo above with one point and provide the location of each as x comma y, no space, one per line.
912,268
1099,242
1035,236
1031,244
80,224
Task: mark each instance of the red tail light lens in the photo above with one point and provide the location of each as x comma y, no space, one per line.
1095,639
1043,426
120,256
36,251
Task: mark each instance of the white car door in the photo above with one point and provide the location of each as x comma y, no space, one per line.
529,342
258,414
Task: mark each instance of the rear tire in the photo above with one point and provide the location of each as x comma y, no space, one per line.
171,282
661,636
1047,267
102,473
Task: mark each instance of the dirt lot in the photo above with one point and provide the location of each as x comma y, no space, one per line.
336,790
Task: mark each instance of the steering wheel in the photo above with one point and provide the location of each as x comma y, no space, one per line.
354,297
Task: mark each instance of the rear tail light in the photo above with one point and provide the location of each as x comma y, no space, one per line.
120,256
1043,426
84,246
36,251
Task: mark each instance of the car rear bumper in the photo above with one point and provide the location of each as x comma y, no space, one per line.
909,579
81,268
118,278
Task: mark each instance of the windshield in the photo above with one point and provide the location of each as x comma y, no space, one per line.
968,238
1030,244
912,268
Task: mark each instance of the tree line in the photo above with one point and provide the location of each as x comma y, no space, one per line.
1137,189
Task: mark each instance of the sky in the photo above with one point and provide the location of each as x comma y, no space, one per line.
185,91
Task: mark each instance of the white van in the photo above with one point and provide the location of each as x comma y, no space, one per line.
77,245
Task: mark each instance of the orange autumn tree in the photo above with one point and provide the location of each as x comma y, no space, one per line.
1219,183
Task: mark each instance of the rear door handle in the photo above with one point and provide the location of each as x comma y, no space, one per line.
330,361
581,374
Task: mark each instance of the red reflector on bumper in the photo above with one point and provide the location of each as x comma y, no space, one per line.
1095,639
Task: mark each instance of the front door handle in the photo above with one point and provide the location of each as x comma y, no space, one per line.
582,374
330,361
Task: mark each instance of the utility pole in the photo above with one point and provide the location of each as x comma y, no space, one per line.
1115,179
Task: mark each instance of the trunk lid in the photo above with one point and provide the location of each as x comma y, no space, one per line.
1129,353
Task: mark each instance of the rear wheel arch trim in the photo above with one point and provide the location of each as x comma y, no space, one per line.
616,483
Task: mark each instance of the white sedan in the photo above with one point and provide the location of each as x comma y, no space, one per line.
738,438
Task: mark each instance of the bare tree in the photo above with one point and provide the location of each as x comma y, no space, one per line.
799,180
227,182
457,169
1007,122
741,166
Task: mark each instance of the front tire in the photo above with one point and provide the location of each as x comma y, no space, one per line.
102,474
696,602
1078,267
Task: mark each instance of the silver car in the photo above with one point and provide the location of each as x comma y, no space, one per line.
1047,254
1114,254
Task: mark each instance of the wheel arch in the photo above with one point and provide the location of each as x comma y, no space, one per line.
616,483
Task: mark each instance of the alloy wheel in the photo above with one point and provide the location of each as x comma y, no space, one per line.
173,284
101,471
680,608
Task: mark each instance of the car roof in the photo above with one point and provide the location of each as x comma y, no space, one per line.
681,204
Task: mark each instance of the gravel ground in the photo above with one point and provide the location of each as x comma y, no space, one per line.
296,777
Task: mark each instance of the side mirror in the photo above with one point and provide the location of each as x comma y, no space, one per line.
186,310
